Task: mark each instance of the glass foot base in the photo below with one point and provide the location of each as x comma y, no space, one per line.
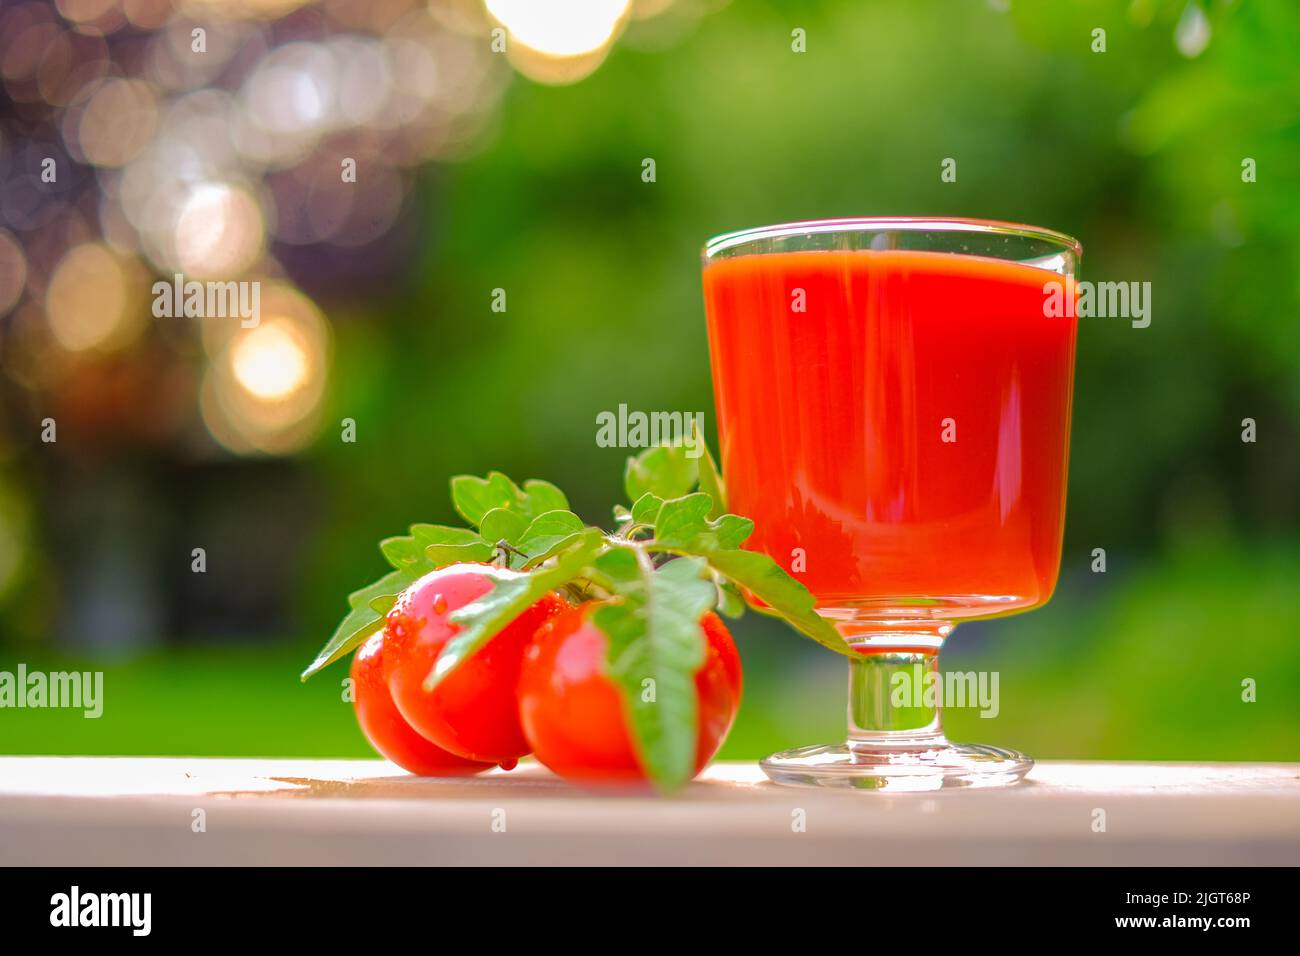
937,766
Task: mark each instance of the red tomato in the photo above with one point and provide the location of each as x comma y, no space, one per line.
385,728
573,714
473,712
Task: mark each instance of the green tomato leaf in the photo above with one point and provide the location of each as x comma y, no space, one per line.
392,583
665,470
444,555
426,535
730,601
780,595
405,555
683,524
731,531
429,547
655,648
547,530
619,571
369,605
646,509
502,524
542,496
474,497
483,619
682,520
443,546
564,544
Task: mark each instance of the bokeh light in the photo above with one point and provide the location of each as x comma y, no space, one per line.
560,27
219,231
264,385
116,122
91,302
13,271
559,41
1192,34
90,11
270,361
224,140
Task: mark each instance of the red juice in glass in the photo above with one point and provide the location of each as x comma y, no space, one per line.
893,401
897,421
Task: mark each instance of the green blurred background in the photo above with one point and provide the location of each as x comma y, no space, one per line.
1137,151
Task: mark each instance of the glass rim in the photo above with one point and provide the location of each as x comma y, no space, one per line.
729,240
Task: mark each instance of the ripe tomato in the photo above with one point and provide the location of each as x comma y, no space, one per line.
473,712
573,715
385,728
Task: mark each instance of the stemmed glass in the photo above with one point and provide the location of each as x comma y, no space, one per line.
893,400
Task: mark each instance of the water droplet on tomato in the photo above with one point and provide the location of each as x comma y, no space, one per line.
396,623
439,604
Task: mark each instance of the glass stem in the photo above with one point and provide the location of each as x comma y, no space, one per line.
894,701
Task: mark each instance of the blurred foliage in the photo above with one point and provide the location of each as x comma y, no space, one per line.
1137,151
1151,668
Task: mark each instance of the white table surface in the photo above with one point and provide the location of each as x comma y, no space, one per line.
142,811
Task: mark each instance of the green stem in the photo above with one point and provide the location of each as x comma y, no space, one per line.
502,551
